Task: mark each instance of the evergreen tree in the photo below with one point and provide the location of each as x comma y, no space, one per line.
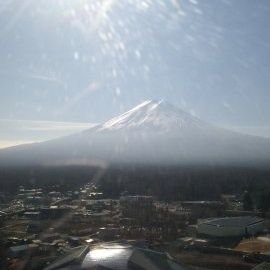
247,202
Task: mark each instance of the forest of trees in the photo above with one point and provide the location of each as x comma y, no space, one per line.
165,183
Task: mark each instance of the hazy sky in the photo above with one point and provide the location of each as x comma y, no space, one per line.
84,61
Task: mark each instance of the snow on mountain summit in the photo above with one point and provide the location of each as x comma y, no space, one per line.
152,114
154,132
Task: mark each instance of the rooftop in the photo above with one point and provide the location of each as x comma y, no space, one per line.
232,221
117,256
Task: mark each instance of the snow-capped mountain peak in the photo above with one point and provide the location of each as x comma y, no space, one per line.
151,114
154,132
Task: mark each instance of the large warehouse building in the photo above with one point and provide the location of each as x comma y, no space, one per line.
231,226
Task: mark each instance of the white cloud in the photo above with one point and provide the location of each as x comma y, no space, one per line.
15,132
9,143
262,131
44,125
42,77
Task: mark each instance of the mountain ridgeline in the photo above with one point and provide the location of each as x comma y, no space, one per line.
152,133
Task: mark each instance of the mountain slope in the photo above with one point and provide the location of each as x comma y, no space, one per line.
153,114
153,132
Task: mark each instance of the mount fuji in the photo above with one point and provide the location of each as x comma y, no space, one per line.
154,132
